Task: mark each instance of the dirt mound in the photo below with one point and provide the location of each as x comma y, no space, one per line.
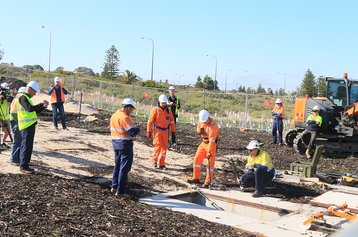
13,82
41,205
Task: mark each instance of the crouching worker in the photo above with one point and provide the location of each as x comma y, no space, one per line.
259,169
122,132
209,131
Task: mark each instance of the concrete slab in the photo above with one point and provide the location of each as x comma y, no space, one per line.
332,198
285,226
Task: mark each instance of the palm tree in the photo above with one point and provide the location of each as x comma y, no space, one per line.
130,77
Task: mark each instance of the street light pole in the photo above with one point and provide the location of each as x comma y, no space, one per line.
284,84
49,55
226,78
151,75
216,69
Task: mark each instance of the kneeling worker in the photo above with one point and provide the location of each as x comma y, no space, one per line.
209,131
259,169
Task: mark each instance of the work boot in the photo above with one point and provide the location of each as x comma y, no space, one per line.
205,185
308,153
122,195
155,165
162,167
272,142
193,181
27,171
257,194
113,190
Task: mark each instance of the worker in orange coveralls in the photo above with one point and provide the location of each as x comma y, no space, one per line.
159,120
209,131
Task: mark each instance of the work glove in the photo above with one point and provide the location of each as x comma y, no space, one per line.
202,131
174,140
148,134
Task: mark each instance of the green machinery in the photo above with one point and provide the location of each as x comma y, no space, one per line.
308,168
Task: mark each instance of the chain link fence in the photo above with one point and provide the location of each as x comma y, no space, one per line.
229,109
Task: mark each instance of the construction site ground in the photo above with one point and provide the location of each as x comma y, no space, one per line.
69,194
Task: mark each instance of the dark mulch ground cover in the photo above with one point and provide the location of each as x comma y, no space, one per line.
42,205
233,142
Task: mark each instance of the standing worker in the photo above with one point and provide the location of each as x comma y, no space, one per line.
174,104
259,169
159,120
15,132
123,131
314,122
5,98
278,114
57,93
209,131
27,120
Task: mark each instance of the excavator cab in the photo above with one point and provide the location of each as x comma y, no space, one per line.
339,129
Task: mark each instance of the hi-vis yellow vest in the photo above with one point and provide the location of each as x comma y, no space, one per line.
4,111
24,117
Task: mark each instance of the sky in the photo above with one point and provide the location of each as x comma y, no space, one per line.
272,42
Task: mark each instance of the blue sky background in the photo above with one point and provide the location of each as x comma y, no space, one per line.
254,41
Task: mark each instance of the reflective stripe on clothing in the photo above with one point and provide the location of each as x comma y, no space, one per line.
279,110
5,113
14,107
25,118
53,98
120,124
121,138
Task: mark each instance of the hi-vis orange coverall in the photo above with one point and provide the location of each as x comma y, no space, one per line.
159,121
207,148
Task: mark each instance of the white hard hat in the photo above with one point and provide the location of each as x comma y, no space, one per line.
57,79
278,101
21,89
254,144
5,86
34,85
315,108
172,88
163,98
128,101
203,116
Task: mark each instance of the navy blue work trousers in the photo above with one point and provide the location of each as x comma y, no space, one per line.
27,144
277,128
258,178
58,106
122,166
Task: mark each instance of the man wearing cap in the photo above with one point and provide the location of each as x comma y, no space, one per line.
209,132
174,104
5,98
57,93
159,120
27,120
278,114
314,122
15,132
259,169
123,131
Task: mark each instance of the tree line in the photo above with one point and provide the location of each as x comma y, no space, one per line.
310,85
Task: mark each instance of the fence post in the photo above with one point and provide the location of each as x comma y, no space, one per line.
73,87
100,94
246,110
